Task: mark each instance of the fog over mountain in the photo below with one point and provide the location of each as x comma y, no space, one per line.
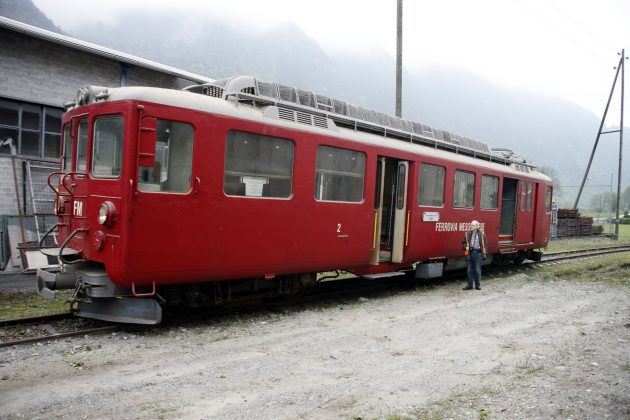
546,130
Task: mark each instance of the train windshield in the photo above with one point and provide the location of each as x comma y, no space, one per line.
107,147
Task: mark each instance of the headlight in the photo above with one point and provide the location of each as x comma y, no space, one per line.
106,213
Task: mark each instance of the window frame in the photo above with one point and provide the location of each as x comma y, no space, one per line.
548,199
95,121
530,197
87,146
363,175
192,159
496,204
474,186
258,136
522,196
18,132
66,135
422,164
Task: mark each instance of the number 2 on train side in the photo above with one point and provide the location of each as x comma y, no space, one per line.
338,227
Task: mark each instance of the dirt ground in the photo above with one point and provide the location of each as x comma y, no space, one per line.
526,346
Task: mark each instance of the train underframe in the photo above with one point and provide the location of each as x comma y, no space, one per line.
96,296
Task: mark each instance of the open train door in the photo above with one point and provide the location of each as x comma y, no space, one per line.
390,209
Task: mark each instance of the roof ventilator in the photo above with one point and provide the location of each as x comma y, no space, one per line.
306,107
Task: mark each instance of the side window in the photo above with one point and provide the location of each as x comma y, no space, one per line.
66,164
173,159
258,166
431,185
400,187
489,192
523,195
464,191
339,175
107,147
548,199
82,136
530,196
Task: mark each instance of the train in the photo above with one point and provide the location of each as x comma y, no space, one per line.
240,187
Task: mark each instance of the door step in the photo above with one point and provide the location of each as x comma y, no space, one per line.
383,275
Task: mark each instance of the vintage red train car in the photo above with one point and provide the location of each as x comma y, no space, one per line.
202,195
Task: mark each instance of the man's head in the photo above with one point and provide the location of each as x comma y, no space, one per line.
474,225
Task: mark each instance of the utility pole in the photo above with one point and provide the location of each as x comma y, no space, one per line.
399,20
620,69
622,62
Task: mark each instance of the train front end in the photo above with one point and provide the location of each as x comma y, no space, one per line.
94,189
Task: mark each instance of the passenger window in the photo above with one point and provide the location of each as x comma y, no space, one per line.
431,185
82,135
66,163
464,191
258,166
523,195
107,147
173,159
489,192
530,196
548,199
339,175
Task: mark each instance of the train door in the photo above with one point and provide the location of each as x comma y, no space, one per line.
390,210
508,210
525,212
165,193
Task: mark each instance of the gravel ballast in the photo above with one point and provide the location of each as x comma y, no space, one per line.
522,347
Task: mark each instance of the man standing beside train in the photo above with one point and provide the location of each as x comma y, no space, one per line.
475,248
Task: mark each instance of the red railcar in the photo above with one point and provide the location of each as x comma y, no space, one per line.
201,195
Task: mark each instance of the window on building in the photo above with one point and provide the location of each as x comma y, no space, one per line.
258,166
339,175
35,129
489,192
464,189
82,143
172,171
52,133
107,147
431,185
548,199
67,149
530,196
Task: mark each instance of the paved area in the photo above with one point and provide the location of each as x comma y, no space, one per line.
17,282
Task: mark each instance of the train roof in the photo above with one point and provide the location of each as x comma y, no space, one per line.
246,103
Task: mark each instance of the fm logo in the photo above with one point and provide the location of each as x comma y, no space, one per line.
78,208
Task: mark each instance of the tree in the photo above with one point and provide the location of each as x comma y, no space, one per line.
625,198
604,201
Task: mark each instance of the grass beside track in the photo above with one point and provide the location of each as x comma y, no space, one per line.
25,304
613,269
586,242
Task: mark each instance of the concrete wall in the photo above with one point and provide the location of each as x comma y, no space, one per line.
39,71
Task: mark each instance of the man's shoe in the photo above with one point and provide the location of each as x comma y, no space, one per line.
467,288
478,288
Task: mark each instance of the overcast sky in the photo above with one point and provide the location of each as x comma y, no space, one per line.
564,48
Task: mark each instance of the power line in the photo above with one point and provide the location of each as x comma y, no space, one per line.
567,35
584,28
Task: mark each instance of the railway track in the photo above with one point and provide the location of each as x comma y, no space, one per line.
348,288
18,331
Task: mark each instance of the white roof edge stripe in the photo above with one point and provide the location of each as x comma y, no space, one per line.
99,50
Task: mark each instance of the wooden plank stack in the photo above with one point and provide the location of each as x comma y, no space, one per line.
570,223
